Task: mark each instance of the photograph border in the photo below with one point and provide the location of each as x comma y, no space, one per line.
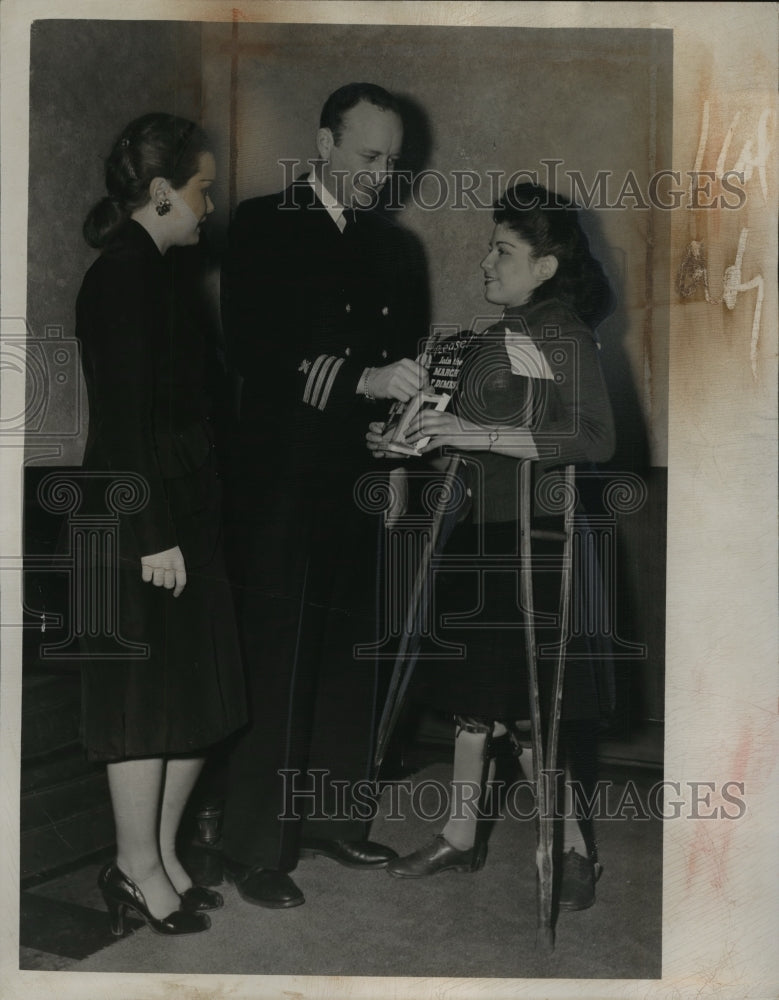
721,881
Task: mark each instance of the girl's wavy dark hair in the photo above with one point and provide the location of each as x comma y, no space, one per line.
155,145
550,224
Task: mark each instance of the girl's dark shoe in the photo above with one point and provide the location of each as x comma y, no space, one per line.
577,885
122,894
438,856
197,898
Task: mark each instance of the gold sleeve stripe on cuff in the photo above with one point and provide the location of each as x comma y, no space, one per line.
321,378
320,381
312,377
329,384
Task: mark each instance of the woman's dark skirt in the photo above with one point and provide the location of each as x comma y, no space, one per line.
187,691
478,609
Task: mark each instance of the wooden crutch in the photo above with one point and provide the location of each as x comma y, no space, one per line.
545,756
408,649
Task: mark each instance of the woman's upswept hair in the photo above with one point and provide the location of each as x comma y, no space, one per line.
549,223
155,145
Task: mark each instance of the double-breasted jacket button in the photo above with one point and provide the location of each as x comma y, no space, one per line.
384,353
348,307
347,351
385,310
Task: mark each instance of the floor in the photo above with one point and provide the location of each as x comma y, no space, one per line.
367,924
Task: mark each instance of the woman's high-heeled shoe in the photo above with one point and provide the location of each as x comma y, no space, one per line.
122,894
197,898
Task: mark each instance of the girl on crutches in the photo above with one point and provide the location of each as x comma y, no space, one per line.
530,388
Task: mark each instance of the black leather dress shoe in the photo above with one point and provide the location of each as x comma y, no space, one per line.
351,853
577,884
263,886
437,856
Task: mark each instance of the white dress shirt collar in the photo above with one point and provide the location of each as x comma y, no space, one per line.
330,203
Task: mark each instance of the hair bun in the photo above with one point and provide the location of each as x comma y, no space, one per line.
104,220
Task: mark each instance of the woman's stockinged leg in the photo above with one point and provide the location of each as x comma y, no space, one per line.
181,773
136,797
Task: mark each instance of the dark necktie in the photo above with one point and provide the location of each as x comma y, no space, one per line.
350,219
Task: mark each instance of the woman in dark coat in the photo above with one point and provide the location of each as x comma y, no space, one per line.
530,387
150,715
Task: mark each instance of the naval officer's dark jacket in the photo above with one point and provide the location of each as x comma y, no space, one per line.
306,308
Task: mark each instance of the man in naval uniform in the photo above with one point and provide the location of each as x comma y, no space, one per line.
324,307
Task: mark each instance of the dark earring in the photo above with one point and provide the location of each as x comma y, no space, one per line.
163,206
